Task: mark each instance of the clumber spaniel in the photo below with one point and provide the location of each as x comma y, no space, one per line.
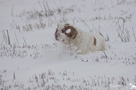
85,42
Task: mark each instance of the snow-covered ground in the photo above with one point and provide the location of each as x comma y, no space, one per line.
31,58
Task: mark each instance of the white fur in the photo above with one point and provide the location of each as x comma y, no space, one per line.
84,41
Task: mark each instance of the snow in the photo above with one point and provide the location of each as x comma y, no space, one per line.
31,58
68,31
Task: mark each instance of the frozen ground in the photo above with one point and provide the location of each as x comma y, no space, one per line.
31,59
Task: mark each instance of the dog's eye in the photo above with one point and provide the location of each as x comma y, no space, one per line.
63,30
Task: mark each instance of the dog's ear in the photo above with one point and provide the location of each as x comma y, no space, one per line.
69,31
73,32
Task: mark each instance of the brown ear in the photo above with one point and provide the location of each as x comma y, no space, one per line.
94,41
72,34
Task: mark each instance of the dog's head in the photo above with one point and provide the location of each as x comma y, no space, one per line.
65,32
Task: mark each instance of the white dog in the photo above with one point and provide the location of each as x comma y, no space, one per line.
84,41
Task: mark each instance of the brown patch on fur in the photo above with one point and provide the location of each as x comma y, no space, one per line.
73,32
94,41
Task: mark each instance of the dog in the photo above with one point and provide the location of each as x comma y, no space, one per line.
85,42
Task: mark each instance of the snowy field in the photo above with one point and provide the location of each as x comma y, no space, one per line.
31,58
